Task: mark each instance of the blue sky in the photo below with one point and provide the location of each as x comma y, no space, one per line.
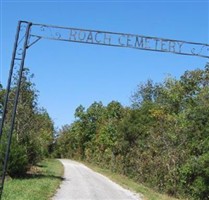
70,74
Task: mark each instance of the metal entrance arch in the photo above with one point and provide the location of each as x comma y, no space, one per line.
29,33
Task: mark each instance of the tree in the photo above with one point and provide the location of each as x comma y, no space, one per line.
161,139
33,130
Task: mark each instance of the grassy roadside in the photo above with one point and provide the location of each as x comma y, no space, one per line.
40,183
148,194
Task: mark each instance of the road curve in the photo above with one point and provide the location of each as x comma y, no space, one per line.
81,183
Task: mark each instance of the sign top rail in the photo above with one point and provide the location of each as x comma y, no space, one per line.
117,39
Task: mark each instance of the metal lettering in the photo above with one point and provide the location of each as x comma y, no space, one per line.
172,46
119,40
147,40
128,44
163,44
139,44
73,34
108,38
90,38
82,35
180,45
96,37
156,44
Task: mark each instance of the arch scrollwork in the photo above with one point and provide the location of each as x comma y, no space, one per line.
53,33
203,50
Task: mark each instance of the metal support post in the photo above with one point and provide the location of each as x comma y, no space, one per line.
8,118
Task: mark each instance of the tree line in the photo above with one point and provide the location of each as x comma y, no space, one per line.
33,131
161,139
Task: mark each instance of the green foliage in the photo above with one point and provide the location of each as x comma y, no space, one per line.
33,130
18,161
161,140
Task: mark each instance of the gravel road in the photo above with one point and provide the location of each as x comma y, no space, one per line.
81,183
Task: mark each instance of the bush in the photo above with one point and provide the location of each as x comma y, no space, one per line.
195,177
18,161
